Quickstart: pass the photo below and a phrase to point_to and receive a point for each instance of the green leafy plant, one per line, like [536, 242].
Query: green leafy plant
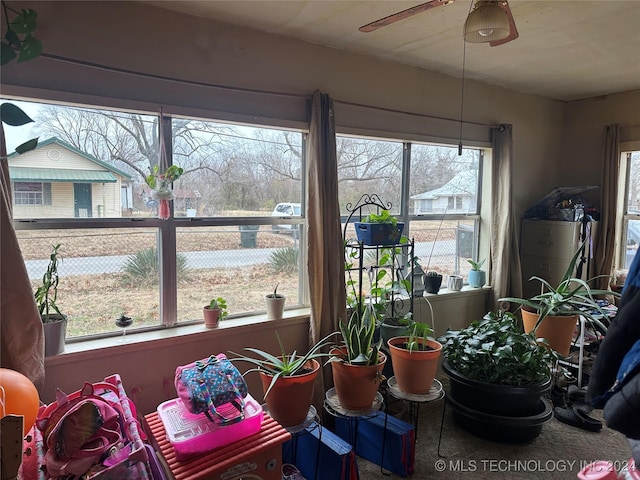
[47, 293]
[20, 45]
[419, 333]
[143, 266]
[284, 260]
[357, 336]
[219, 303]
[159, 180]
[496, 350]
[383, 217]
[476, 266]
[572, 296]
[286, 365]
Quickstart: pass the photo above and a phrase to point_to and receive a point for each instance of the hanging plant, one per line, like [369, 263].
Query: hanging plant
[160, 184]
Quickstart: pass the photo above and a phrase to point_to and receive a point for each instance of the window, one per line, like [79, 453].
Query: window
[441, 210]
[117, 256]
[27, 193]
[630, 234]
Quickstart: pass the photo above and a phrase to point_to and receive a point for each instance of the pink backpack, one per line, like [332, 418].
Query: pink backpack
[80, 430]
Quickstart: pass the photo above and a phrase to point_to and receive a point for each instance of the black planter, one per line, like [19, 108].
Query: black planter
[503, 400]
[499, 428]
[432, 283]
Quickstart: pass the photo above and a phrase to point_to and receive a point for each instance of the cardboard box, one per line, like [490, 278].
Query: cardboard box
[399, 441]
[317, 446]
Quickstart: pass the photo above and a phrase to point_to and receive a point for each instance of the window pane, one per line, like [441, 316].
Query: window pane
[94, 160]
[442, 181]
[444, 246]
[103, 274]
[633, 198]
[235, 170]
[239, 263]
[368, 166]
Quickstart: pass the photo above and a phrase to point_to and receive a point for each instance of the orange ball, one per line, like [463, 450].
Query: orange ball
[19, 397]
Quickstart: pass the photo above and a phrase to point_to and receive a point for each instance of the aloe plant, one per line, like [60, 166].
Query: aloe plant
[358, 334]
[286, 365]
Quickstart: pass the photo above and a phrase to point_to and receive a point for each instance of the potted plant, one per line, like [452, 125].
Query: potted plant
[287, 379]
[498, 374]
[46, 295]
[415, 359]
[214, 312]
[432, 281]
[477, 277]
[357, 362]
[275, 304]
[379, 229]
[553, 313]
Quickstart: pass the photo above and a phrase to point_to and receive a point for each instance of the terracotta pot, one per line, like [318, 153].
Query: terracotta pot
[414, 371]
[211, 317]
[356, 385]
[557, 331]
[289, 400]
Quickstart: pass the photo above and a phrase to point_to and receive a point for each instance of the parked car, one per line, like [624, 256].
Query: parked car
[284, 210]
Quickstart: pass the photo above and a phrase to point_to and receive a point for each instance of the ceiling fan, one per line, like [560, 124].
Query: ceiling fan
[490, 21]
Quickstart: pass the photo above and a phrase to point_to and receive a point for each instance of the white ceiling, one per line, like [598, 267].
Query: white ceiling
[567, 50]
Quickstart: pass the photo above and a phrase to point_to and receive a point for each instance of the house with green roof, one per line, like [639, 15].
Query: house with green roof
[57, 180]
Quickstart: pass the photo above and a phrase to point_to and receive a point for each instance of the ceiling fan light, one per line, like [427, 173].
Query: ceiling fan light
[486, 23]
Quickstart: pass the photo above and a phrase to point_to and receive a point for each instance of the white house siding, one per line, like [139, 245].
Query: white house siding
[105, 197]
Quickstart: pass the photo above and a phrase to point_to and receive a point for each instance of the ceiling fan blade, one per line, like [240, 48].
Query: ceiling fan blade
[409, 12]
[513, 31]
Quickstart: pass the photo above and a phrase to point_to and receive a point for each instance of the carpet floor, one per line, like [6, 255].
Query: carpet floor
[451, 452]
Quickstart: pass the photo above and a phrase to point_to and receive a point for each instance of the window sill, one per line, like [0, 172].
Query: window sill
[179, 334]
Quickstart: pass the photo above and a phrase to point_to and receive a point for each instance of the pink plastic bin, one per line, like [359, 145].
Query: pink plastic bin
[191, 434]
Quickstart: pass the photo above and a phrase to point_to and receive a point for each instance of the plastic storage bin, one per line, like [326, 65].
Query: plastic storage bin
[192, 434]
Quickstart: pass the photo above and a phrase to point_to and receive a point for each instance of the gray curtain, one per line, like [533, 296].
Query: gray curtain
[21, 332]
[505, 253]
[605, 241]
[325, 254]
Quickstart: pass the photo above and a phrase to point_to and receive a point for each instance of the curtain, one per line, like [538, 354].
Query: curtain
[605, 241]
[505, 254]
[21, 332]
[325, 261]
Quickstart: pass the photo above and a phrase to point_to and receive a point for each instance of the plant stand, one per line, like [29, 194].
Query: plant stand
[364, 262]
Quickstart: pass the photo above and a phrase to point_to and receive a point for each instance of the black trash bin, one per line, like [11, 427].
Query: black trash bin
[248, 235]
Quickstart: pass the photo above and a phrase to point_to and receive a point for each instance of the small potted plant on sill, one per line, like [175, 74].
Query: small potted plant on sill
[379, 229]
[53, 320]
[477, 277]
[214, 312]
[357, 362]
[415, 359]
[275, 304]
[287, 379]
[498, 374]
[432, 281]
[554, 313]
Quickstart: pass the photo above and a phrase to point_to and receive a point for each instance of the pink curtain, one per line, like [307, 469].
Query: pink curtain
[21, 332]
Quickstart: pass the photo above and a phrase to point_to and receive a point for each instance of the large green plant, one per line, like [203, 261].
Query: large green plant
[47, 293]
[496, 350]
[357, 335]
[20, 45]
[572, 296]
[286, 365]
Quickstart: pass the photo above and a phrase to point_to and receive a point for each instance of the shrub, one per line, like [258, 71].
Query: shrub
[143, 266]
[284, 260]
